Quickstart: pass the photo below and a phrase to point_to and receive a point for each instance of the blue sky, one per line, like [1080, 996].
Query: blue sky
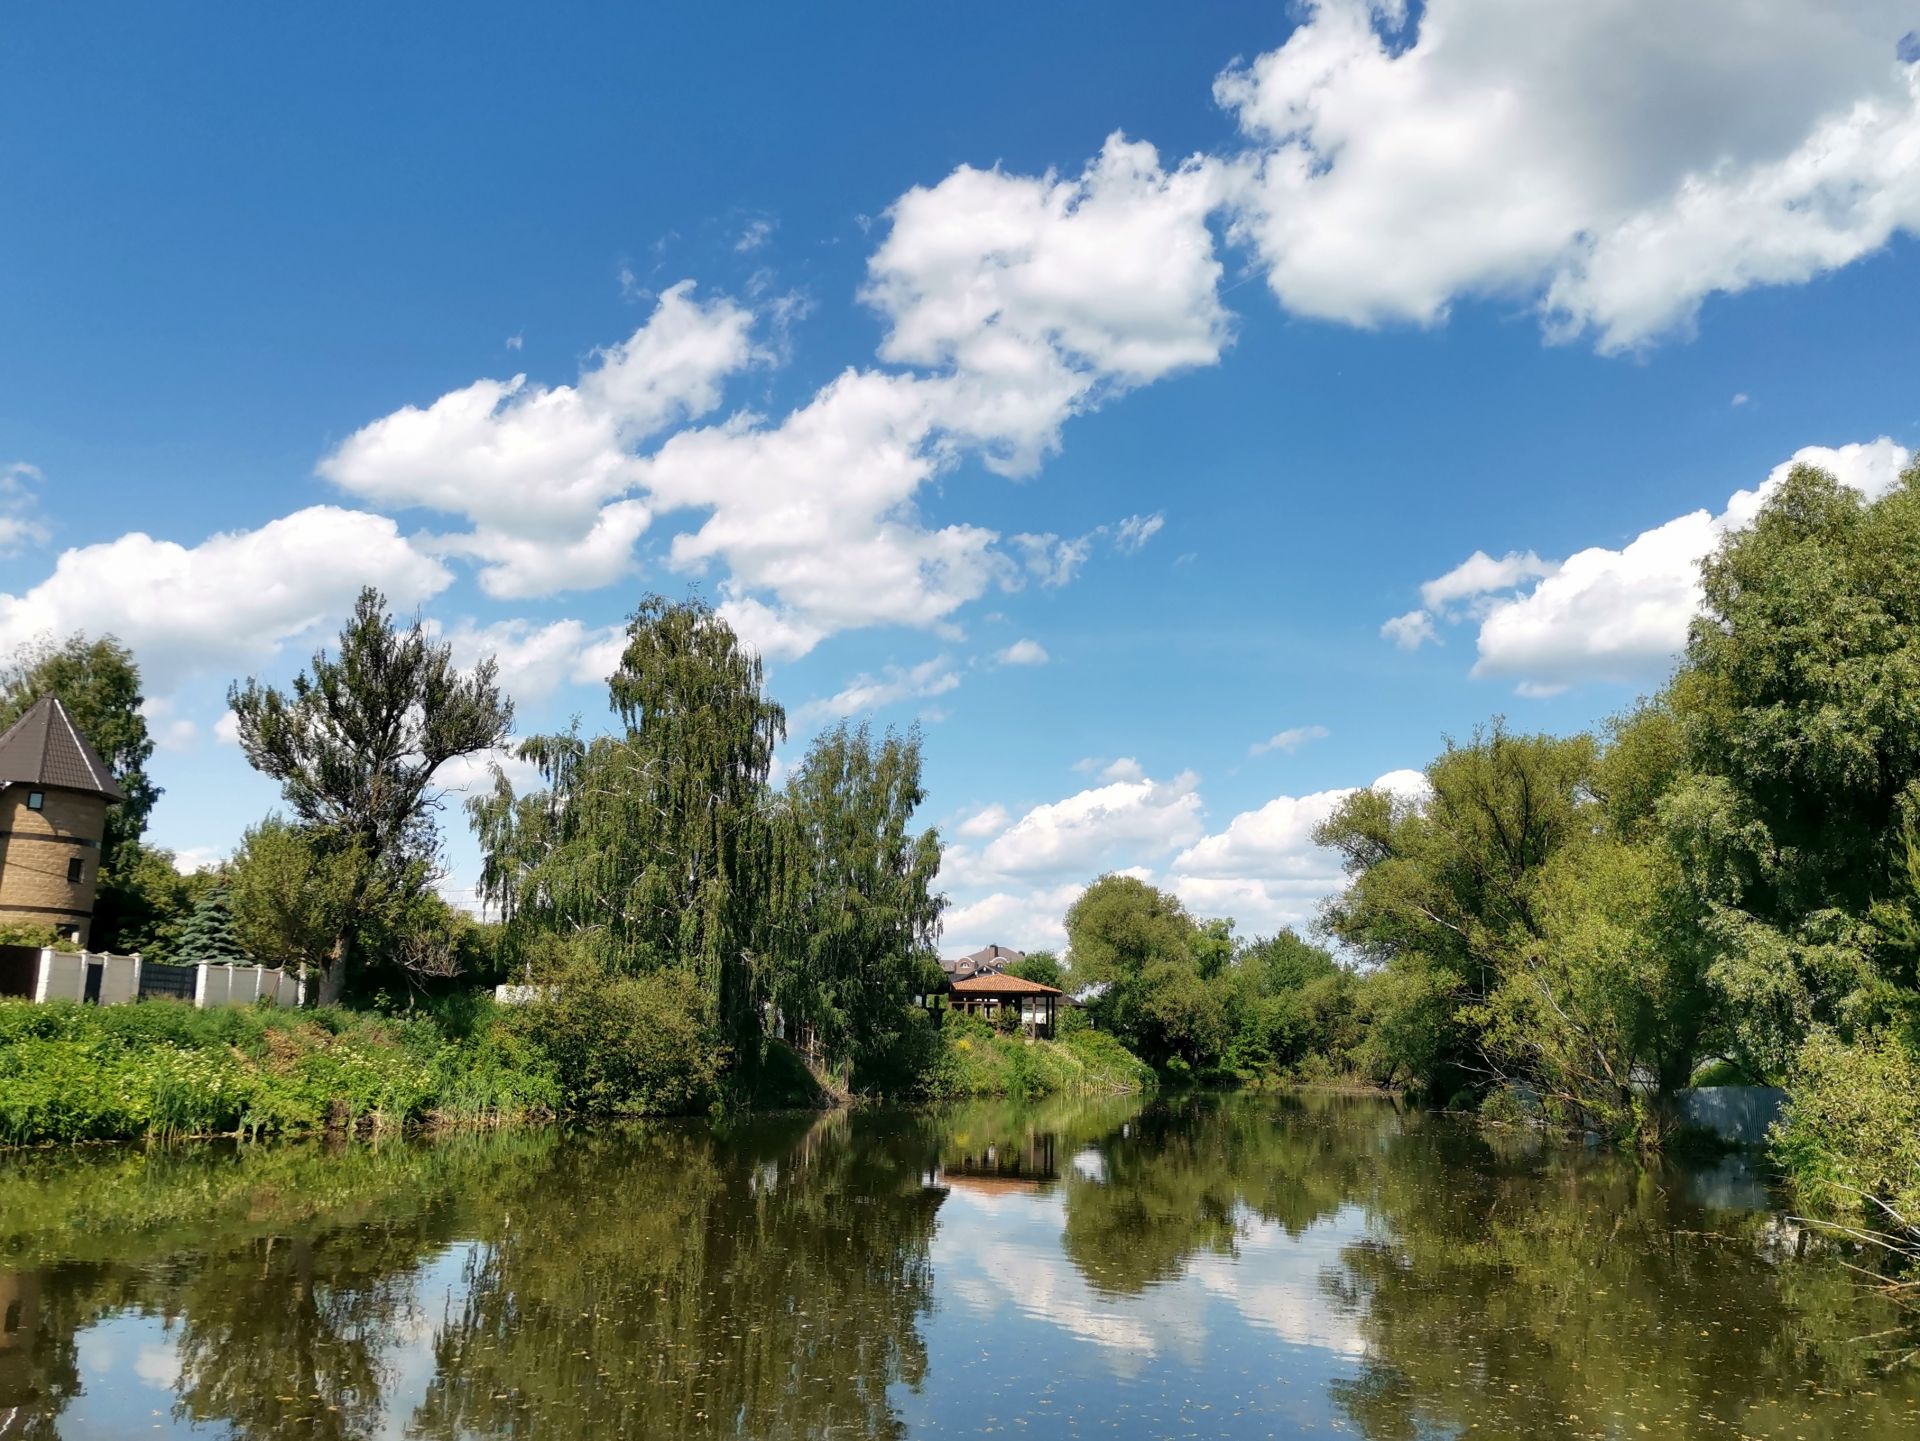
[1091, 387]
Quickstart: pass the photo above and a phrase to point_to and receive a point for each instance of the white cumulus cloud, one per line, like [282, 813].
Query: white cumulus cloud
[228, 603]
[1622, 614]
[1617, 163]
[1023, 652]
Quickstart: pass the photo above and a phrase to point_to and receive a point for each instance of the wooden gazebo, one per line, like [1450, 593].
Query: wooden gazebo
[985, 996]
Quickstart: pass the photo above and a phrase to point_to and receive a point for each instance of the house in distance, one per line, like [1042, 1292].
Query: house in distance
[978, 984]
[54, 794]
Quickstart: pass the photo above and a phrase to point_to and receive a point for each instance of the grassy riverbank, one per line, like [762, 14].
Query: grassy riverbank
[159, 1069]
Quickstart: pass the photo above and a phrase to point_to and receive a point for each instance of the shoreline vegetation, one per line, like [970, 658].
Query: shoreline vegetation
[1719, 886]
[159, 1070]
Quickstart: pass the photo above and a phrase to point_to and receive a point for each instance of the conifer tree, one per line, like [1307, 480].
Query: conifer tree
[210, 935]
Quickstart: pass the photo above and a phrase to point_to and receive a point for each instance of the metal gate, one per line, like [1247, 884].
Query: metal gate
[167, 982]
[90, 988]
[19, 970]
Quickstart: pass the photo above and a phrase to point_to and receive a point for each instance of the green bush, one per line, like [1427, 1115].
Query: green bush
[1850, 1138]
[625, 1045]
[159, 1068]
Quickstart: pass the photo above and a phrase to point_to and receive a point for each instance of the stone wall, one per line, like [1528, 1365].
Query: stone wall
[35, 849]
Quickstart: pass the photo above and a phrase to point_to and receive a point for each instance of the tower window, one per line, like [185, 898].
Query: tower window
[76, 870]
[36, 800]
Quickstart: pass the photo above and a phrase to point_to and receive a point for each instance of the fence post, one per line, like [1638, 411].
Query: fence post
[45, 974]
[199, 985]
[137, 963]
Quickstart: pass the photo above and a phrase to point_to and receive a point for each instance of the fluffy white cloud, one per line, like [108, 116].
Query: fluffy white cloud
[1618, 162]
[534, 659]
[986, 821]
[1120, 823]
[818, 511]
[1031, 919]
[1410, 631]
[1012, 880]
[1042, 292]
[1023, 652]
[228, 603]
[170, 731]
[1264, 869]
[893, 685]
[535, 468]
[517, 566]
[1288, 741]
[768, 629]
[1480, 573]
[1623, 614]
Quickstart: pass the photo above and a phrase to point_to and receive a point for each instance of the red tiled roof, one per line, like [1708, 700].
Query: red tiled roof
[1003, 986]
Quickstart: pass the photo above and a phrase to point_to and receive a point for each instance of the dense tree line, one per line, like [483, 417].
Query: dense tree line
[1725, 879]
[1724, 882]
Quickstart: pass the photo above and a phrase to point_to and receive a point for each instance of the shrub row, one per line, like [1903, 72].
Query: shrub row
[159, 1068]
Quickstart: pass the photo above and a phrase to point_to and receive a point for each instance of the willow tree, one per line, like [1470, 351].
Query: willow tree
[652, 847]
[856, 913]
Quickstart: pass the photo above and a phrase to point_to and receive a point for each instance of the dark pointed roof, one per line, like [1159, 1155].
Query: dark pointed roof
[45, 748]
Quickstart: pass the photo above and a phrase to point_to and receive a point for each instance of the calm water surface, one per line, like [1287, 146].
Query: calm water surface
[1242, 1267]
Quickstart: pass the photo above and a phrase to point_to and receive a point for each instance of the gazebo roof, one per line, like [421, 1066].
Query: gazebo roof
[1002, 986]
[45, 748]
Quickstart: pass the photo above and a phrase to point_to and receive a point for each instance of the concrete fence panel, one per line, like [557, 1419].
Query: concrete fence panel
[216, 985]
[63, 976]
[119, 979]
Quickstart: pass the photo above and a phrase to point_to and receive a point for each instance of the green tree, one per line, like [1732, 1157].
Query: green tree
[144, 901]
[293, 896]
[99, 683]
[653, 848]
[857, 912]
[1445, 892]
[1149, 957]
[355, 746]
[1802, 715]
[209, 934]
[1041, 967]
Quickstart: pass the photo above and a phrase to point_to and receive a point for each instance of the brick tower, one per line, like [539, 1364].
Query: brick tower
[54, 794]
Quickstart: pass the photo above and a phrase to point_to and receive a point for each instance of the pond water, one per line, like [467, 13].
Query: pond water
[1239, 1267]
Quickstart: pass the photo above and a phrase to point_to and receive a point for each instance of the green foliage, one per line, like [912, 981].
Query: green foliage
[625, 1045]
[653, 849]
[855, 913]
[20, 933]
[956, 1056]
[99, 684]
[143, 902]
[209, 933]
[1151, 960]
[158, 1068]
[1041, 967]
[1851, 1133]
[355, 746]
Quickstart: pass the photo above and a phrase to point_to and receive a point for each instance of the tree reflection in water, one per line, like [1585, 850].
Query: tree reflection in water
[774, 1278]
